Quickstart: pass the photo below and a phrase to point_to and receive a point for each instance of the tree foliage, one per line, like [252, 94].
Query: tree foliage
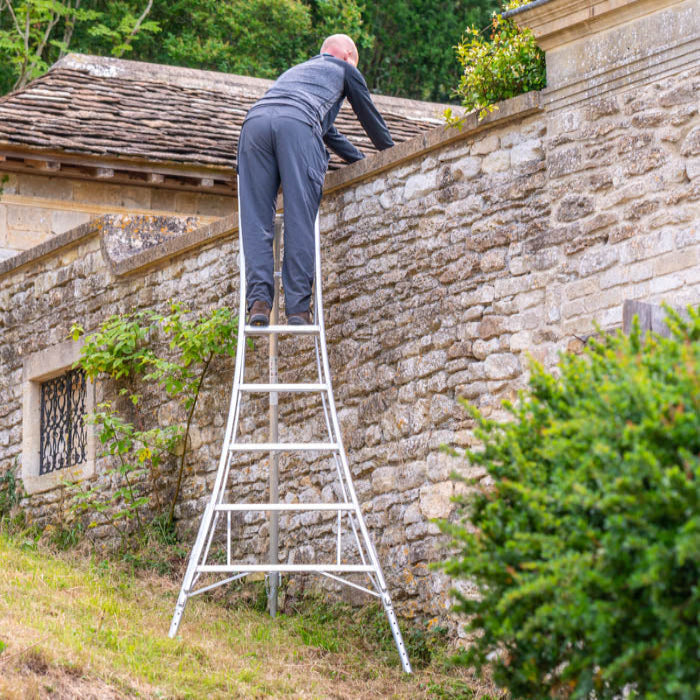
[412, 54]
[35, 33]
[586, 548]
[406, 47]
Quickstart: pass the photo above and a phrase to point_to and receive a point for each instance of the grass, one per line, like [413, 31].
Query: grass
[76, 627]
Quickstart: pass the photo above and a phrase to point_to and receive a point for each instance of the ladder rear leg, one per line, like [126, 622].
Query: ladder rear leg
[188, 580]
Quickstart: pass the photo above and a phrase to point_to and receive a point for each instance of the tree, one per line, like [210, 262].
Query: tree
[413, 54]
[35, 33]
[585, 546]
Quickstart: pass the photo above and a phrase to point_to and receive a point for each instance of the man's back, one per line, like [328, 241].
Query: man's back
[314, 91]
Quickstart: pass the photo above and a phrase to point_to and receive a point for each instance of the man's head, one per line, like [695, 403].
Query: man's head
[341, 46]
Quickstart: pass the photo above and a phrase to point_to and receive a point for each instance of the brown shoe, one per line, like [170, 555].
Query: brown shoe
[301, 318]
[259, 314]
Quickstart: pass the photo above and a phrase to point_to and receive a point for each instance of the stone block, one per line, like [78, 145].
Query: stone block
[502, 366]
[485, 145]
[574, 207]
[526, 152]
[493, 260]
[420, 185]
[661, 285]
[692, 168]
[27, 218]
[3, 224]
[597, 260]
[691, 143]
[522, 340]
[466, 168]
[496, 162]
[435, 500]
[62, 221]
[45, 187]
[673, 262]
[384, 479]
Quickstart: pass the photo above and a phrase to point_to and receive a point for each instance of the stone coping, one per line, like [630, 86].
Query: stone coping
[508, 110]
[50, 246]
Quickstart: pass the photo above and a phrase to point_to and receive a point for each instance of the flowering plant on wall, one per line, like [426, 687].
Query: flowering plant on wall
[498, 62]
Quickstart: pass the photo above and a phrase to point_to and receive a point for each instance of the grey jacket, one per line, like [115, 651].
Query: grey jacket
[314, 91]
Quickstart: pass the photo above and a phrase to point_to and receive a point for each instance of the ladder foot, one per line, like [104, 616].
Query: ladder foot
[177, 615]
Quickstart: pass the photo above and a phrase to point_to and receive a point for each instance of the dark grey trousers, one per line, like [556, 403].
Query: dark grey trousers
[274, 148]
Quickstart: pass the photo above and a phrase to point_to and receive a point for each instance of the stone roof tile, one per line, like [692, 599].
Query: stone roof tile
[132, 110]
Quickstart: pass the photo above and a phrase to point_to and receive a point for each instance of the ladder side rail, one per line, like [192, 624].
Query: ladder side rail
[333, 414]
[337, 438]
[208, 515]
[386, 598]
[324, 377]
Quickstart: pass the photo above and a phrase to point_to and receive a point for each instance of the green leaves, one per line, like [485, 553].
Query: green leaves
[171, 352]
[586, 548]
[506, 64]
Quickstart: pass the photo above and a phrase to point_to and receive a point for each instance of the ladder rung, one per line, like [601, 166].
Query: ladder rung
[281, 568]
[283, 387]
[291, 330]
[285, 447]
[283, 506]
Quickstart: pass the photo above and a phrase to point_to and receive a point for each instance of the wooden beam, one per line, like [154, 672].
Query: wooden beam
[50, 165]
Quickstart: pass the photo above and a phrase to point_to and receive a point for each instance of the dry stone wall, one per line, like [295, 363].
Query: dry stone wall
[442, 273]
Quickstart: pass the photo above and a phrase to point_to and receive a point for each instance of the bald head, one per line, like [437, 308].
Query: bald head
[341, 46]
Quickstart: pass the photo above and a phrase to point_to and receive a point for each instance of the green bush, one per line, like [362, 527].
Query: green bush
[505, 63]
[586, 546]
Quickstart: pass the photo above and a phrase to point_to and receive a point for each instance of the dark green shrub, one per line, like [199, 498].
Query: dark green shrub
[586, 548]
[501, 63]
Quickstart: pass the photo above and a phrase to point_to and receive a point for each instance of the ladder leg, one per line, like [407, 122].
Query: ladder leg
[396, 632]
[188, 580]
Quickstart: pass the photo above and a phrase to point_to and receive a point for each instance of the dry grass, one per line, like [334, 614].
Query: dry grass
[80, 628]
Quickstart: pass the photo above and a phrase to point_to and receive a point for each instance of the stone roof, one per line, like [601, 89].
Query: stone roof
[127, 110]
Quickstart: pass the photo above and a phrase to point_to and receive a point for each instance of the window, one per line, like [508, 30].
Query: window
[57, 444]
[63, 433]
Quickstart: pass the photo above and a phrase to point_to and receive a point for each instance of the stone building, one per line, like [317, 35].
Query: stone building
[446, 259]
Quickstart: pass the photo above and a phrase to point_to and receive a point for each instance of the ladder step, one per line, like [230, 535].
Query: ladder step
[285, 447]
[282, 387]
[279, 330]
[282, 568]
[245, 507]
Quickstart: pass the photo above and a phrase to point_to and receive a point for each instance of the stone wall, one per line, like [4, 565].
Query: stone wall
[33, 208]
[446, 260]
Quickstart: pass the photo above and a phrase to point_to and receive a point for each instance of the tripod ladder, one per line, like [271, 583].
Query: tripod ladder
[347, 508]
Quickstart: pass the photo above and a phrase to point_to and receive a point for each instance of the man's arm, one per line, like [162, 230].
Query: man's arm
[358, 95]
[340, 145]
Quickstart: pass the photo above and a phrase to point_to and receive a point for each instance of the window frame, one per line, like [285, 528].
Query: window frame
[37, 368]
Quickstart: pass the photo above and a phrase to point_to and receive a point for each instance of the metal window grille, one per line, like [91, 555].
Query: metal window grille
[63, 429]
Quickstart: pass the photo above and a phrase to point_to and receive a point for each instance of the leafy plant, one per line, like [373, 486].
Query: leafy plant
[10, 492]
[586, 548]
[124, 349]
[506, 63]
[139, 453]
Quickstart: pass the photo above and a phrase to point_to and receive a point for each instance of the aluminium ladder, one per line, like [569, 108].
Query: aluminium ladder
[347, 510]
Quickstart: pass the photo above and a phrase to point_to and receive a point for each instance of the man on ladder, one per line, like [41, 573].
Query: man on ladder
[282, 139]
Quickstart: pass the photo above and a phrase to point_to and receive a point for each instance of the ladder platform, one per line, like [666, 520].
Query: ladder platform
[246, 507]
[282, 330]
[285, 447]
[262, 388]
[284, 568]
